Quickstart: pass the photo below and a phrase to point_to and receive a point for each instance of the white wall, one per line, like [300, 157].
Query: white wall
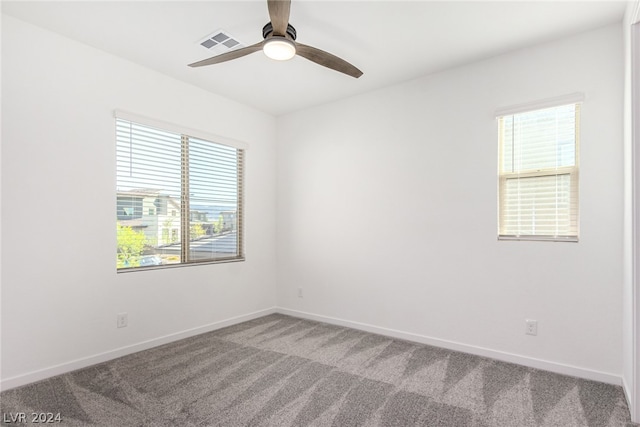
[387, 212]
[60, 290]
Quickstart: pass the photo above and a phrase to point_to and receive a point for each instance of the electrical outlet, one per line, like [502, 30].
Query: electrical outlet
[122, 320]
[531, 327]
[299, 292]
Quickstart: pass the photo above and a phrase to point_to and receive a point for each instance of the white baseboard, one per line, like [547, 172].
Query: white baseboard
[558, 368]
[73, 365]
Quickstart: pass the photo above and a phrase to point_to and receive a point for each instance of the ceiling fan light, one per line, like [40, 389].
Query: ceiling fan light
[279, 48]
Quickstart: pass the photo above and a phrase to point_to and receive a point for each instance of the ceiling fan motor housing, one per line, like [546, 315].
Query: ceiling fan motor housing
[267, 30]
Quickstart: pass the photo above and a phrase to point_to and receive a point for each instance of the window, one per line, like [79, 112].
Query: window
[538, 176]
[179, 197]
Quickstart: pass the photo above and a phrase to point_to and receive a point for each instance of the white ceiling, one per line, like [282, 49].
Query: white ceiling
[390, 41]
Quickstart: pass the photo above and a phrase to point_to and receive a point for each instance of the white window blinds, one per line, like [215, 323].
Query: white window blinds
[538, 178]
[179, 198]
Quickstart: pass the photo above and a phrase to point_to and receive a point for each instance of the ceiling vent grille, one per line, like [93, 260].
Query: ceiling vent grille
[220, 42]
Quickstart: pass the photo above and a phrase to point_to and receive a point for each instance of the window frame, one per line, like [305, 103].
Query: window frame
[183, 213]
[572, 171]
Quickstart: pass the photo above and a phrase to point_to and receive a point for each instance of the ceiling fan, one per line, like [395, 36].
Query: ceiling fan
[279, 43]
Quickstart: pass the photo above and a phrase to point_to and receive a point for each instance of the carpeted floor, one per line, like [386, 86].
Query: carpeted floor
[283, 371]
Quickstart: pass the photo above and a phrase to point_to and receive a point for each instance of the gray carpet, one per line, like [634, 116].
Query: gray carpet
[283, 371]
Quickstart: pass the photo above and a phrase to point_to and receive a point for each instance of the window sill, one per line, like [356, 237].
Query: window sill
[185, 264]
[573, 239]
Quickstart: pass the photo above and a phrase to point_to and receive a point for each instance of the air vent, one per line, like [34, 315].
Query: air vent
[220, 42]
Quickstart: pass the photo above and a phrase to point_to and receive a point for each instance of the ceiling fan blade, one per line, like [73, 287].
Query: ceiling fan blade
[279, 15]
[327, 60]
[234, 54]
